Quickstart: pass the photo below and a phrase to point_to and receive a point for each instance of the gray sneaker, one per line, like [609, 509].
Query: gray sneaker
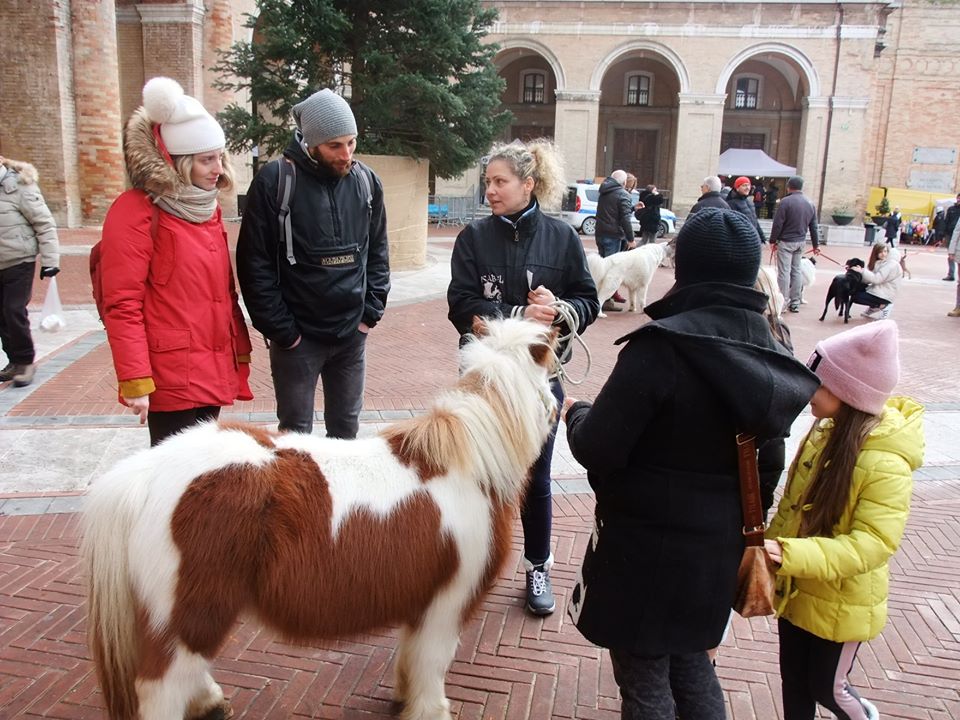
[540, 599]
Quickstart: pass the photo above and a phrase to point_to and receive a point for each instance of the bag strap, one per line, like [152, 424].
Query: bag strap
[286, 186]
[753, 525]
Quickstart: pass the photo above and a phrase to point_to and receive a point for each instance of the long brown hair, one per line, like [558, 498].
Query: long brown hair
[829, 490]
[875, 254]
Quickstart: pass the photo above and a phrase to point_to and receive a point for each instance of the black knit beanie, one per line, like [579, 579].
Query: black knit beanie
[716, 245]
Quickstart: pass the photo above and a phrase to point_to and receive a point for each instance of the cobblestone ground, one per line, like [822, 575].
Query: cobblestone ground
[509, 664]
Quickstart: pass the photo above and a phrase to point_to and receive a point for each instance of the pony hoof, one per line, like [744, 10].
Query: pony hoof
[220, 711]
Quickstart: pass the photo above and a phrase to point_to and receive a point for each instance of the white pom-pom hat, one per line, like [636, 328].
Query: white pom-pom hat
[185, 126]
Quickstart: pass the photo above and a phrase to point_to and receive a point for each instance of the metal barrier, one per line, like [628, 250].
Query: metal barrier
[451, 209]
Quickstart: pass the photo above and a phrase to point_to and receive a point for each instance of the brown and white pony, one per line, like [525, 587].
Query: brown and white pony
[318, 538]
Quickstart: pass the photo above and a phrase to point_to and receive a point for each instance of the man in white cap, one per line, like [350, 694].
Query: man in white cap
[313, 266]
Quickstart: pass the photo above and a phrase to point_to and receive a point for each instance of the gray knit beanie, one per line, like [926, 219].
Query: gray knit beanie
[716, 245]
[324, 116]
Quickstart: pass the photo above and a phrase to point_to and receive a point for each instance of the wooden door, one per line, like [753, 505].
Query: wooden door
[636, 152]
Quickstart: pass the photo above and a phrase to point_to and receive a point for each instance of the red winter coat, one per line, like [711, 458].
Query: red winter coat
[171, 312]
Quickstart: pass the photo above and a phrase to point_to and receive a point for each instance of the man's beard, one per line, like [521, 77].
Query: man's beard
[328, 167]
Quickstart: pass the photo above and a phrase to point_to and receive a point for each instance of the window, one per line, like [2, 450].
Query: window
[747, 96]
[638, 90]
[534, 84]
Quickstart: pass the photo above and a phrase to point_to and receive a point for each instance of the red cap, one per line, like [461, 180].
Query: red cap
[741, 181]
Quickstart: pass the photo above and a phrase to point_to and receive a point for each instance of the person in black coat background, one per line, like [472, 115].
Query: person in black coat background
[741, 200]
[711, 197]
[649, 215]
[659, 574]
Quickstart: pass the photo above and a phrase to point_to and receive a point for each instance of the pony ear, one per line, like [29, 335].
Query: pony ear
[544, 353]
[479, 328]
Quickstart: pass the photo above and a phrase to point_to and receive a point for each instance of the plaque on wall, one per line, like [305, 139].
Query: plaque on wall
[934, 156]
[931, 180]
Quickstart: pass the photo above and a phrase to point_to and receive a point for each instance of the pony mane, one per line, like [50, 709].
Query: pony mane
[492, 424]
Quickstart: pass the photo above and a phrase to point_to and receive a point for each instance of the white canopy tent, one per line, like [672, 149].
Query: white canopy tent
[752, 163]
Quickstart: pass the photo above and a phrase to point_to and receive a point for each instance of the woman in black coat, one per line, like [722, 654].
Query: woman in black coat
[659, 574]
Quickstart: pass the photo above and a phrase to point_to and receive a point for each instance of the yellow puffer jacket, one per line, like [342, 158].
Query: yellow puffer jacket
[836, 588]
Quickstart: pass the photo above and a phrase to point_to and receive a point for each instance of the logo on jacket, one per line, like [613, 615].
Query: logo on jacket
[338, 259]
[492, 287]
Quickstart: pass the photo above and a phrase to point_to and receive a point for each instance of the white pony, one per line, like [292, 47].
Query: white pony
[318, 538]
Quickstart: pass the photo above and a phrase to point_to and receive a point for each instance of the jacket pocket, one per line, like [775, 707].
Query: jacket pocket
[169, 357]
[164, 257]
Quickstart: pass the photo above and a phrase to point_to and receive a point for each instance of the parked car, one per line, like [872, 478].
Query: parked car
[579, 209]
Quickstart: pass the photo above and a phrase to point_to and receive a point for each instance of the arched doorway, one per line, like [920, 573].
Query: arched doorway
[637, 131]
[530, 93]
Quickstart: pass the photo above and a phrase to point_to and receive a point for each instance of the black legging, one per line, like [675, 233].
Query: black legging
[667, 686]
[814, 670]
[164, 424]
[536, 514]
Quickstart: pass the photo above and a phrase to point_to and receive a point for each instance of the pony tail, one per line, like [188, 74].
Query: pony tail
[549, 173]
[111, 605]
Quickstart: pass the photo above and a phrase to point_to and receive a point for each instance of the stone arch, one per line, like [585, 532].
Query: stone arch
[545, 52]
[632, 46]
[803, 63]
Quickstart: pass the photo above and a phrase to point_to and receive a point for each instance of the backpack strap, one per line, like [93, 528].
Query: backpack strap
[363, 172]
[286, 187]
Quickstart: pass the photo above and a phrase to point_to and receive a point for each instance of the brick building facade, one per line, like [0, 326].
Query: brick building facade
[853, 94]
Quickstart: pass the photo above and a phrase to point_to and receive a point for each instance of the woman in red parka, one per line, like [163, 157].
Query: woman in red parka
[179, 342]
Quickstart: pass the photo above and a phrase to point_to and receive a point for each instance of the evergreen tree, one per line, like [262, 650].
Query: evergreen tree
[420, 81]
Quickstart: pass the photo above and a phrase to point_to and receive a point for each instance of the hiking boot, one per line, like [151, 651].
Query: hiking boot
[539, 591]
[8, 372]
[955, 312]
[24, 375]
[948, 278]
[610, 306]
[794, 308]
[870, 709]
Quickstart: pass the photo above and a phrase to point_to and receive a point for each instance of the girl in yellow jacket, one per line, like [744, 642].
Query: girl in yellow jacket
[841, 518]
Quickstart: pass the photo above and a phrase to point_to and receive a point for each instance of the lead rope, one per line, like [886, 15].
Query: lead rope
[569, 317]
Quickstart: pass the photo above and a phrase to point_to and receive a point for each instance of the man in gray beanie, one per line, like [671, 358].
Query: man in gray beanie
[313, 266]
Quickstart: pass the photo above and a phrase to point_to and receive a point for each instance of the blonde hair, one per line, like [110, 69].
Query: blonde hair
[540, 160]
[183, 164]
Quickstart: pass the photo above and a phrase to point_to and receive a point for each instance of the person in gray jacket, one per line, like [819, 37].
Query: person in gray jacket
[26, 230]
[795, 216]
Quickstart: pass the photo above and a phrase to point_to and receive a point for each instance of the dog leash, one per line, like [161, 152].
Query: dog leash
[824, 255]
[569, 316]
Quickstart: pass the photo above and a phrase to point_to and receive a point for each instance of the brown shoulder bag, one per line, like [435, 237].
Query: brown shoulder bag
[755, 577]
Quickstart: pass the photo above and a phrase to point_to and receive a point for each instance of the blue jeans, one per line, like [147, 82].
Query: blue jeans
[607, 245]
[341, 368]
[536, 515]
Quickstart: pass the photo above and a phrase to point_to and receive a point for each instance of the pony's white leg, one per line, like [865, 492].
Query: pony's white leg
[401, 685]
[172, 694]
[427, 655]
[209, 699]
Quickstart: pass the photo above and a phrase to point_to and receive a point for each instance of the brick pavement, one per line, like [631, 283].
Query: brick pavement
[509, 665]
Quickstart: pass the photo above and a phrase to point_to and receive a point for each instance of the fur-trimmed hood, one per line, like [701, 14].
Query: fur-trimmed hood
[27, 172]
[147, 168]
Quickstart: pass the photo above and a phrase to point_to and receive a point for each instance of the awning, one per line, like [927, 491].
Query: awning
[752, 163]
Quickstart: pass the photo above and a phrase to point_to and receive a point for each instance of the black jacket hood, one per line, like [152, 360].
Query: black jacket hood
[764, 386]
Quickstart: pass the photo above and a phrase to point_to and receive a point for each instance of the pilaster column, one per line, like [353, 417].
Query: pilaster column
[97, 101]
[575, 131]
[700, 125]
[173, 43]
[813, 139]
[844, 181]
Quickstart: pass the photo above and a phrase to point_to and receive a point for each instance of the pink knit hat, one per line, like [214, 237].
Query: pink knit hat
[860, 366]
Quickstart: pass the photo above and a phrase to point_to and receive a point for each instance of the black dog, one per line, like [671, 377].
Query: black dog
[843, 288]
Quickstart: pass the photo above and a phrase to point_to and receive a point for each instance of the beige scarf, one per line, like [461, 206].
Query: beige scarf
[191, 203]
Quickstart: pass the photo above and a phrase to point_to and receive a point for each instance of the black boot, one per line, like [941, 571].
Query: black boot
[539, 591]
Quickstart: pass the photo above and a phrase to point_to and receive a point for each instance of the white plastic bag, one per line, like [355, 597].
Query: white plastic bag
[51, 316]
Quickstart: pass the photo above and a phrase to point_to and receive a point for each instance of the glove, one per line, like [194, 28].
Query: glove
[46, 272]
